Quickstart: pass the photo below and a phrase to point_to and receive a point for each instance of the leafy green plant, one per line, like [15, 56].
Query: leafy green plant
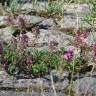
[28, 61]
[11, 68]
[9, 57]
[74, 64]
[89, 18]
[38, 68]
[17, 59]
[38, 61]
[14, 6]
[56, 7]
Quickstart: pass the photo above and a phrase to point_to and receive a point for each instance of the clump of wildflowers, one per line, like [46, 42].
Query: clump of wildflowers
[68, 54]
[80, 39]
[82, 35]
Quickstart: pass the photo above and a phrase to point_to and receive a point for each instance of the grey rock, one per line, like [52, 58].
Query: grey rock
[91, 38]
[85, 86]
[31, 19]
[24, 1]
[2, 21]
[57, 77]
[72, 22]
[40, 6]
[23, 83]
[50, 35]
[12, 93]
[79, 8]
[3, 76]
[47, 23]
[6, 34]
[68, 22]
[31, 12]
[7, 83]
[74, 16]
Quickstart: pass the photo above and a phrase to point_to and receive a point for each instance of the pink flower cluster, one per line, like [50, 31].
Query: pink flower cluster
[82, 35]
[68, 54]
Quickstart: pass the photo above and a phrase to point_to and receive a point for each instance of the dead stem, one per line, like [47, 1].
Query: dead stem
[53, 86]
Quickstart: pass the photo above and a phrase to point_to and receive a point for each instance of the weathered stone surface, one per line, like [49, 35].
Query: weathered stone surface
[2, 21]
[85, 86]
[82, 85]
[90, 39]
[50, 35]
[74, 16]
[36, 83]
[29, 12]
[12, 93]
[3, 76]
[6, 34]
[40, 6]
[79, 8]
[47, 23]
[70, 21]
[24, 1]
[31, 19]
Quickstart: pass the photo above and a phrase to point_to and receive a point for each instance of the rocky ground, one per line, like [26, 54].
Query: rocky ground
[10, 86]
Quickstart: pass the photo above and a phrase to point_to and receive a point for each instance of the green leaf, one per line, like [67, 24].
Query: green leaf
[11, 68]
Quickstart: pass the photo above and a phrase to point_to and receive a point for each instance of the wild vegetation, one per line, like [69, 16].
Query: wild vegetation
[17, 58]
